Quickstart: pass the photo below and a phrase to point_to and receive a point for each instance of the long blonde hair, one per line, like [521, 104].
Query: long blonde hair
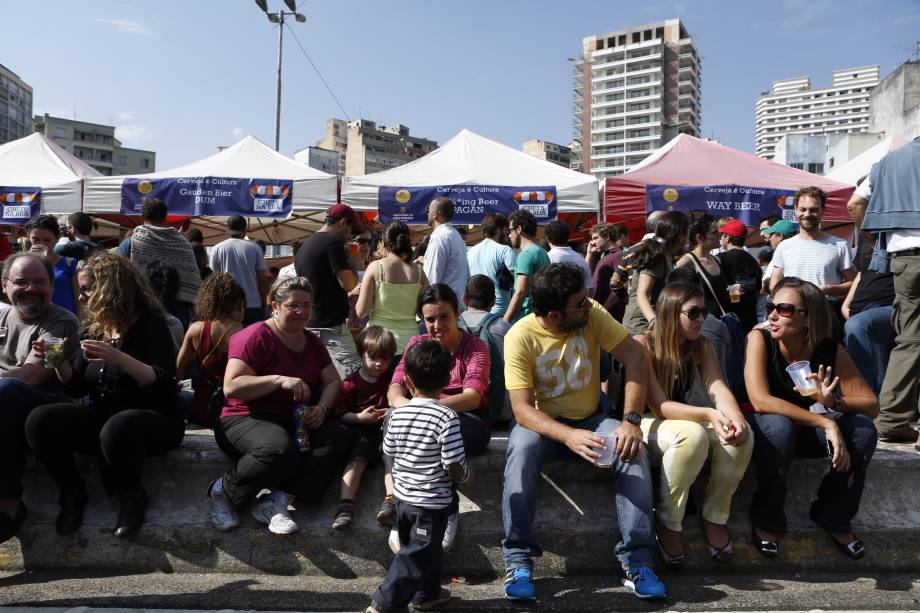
[664, 339]
[121, 295]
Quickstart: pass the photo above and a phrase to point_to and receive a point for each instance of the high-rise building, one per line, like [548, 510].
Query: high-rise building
[96, 145]
[15, 106]
[792, 106]
[551, 152]
[364, 147]
[635, 89]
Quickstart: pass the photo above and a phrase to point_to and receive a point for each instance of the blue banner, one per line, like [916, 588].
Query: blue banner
[471, 202]
[749, 204]
[20, 204]
[220, 196]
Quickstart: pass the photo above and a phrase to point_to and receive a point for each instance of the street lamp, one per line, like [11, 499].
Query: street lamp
[279, 19]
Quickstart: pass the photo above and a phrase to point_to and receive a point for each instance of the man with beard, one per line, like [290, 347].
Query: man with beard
[531, 258]
[25, 382]
[445, 259]
[551, 372]
[814, 255]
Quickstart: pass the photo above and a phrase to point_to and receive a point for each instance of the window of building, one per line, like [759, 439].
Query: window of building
[622, 40]
[647, 35]
[816, 168]
[122, 160]
[60, 132]
[637, 37]
[659, 33]
[145, 163]
[611, 42]
[600, 43]
[797, 165]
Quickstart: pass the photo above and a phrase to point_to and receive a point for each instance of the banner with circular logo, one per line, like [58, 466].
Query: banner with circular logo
[218, 196]
[19, 204]
[748, 204]
[471, 202]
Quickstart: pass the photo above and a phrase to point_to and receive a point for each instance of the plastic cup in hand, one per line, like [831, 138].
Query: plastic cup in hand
[734, 292]
[799, 371]
[605, 460]
[54, 351]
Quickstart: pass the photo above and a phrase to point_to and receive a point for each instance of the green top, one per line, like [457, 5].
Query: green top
[529, 262]
[394, 308]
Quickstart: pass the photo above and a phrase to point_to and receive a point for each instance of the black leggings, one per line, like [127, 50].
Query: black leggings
[56, 432]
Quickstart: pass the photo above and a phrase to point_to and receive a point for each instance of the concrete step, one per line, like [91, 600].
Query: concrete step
[576, 524]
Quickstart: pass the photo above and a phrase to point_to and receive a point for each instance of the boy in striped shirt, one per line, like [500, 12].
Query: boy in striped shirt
[422, 443]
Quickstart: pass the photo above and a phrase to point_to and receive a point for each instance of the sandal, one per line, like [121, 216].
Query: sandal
[719, 554]
[768, 549]
[853, 550]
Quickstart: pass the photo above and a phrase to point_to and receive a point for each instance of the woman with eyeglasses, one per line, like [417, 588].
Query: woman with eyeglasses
[694, 417]
[125, 375]
[832, 418]
[279, 377]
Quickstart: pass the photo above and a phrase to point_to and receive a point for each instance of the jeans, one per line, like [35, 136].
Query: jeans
[869, 337]
[340, 344]
[17, 399]
[528, 452]
[775, 444]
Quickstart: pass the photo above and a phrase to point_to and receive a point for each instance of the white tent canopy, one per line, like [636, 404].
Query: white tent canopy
[470, 159]
[854, 170]
[37, 161]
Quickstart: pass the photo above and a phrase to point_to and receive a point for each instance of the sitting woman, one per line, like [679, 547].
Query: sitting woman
[220, 307]
[694, 418]
[125, 374]
[274, 367]
[835, 419]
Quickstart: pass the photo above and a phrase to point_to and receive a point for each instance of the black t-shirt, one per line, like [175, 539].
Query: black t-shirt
[874, 289]
[739, 266]
[780, 382]
[318, 259]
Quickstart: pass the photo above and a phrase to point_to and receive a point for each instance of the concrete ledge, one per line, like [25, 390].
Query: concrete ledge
[577, 531]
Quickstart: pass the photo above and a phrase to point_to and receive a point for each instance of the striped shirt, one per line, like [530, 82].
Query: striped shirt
[820, 261]
[423, 437]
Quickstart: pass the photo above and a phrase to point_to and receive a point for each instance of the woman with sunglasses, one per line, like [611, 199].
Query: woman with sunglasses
[694, 417]
[835, 419]
[274, 367]
[359, 256]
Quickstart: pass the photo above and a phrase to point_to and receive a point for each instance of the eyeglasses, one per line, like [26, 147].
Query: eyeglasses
[783, 309]
[581, 305]
[23, 283]
[696, 312]
[297, 306]
[514, 229]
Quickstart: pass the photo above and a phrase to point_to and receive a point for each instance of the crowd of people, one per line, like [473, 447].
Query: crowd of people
[680, 352]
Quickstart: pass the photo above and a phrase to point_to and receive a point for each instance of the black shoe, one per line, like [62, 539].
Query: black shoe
[768, 549]
[344, 515]
[70, 517]
[387, 513]
[131, 516]
[9, 526]
[853, 550]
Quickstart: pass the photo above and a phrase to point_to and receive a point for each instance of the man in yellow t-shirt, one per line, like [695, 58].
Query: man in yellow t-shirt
[552, 362]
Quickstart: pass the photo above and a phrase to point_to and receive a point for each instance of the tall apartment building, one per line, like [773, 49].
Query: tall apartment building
[15, 106]
[792, 106]
[96, 145]
[551, 152]
[364, 147]
[336, 139]
[634, 90]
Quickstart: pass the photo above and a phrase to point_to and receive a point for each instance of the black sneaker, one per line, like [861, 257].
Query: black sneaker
[387, 513]
[344, 515]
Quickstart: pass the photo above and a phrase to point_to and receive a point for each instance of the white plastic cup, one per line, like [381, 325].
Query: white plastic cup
[734, 292]
[54, 351]
[799, 371]
[605, 460]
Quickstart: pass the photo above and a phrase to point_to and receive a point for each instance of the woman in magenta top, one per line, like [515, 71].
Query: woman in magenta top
[274, 366]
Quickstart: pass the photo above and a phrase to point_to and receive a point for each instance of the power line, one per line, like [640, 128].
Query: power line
[318, 73]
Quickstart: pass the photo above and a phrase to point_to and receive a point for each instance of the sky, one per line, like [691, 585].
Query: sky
[182, 77]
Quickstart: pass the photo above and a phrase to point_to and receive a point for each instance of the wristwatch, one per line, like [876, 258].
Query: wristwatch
[633, 418]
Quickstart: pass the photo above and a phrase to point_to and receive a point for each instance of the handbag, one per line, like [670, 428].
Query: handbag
[217, 399]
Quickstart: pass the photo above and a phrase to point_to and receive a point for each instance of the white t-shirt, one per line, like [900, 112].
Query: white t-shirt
[445, 260]
[244, 260]
[820, 261]
[567, 255]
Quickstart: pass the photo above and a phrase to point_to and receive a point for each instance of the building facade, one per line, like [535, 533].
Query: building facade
[793, 107]
[372, 148]
[336, 139]
[551, 152]
[894, 104]
[96, 145]
[822, 153]
[634, 90]
[15, 106]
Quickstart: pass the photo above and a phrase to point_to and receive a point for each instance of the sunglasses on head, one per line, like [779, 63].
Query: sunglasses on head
[696, 312]
[783, 309]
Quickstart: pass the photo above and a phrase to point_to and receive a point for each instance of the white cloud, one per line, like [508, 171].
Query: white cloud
[136, 133]
[126, 26]
[124, 116]
[237, 132]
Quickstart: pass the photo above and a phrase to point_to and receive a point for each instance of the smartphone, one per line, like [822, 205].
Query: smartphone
[830, 449]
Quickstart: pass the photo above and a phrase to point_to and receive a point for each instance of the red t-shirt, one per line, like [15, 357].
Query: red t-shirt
[358, 394]
[261, 349]
[470, 368]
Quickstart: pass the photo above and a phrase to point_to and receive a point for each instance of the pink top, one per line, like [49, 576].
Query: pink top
[263, 352]
[470, 368]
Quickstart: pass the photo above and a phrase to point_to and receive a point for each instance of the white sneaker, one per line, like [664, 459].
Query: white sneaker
[393, 541]
[273, 512]
[223, 515]
[450, 531]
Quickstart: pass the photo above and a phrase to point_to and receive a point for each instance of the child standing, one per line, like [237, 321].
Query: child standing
[422, 443]
[362, 404]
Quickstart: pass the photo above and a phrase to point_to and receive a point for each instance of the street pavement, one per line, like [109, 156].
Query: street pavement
[49, 592]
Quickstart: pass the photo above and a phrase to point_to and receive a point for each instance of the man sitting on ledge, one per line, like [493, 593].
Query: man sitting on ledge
[552, 363]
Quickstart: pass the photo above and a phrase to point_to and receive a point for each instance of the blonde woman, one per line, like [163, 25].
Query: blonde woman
[694, 417]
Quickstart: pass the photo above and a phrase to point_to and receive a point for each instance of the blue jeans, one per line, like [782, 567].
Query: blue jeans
[528, 452]
[17, 399]
[869, 338]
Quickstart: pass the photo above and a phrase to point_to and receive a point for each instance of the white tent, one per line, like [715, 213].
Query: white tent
[470, 159]
[37, 161]
[854, 170]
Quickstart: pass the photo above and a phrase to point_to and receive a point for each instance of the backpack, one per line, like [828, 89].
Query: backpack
[495, 400]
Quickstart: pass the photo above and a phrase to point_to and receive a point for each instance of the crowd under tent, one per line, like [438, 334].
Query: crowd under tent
[857, 168]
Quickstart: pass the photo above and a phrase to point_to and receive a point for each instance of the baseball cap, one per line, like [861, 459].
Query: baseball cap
[734, 228]
[786, 228]
[343, 211]
[236, 224]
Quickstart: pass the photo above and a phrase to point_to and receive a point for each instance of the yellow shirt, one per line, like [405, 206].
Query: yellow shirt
[562, 369]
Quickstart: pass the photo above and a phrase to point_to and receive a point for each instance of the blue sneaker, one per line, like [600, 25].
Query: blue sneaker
[644, 583]
[519, 584]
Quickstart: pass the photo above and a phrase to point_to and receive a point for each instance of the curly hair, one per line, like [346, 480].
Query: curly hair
[219, 297]
[553, 286]
[121, 295]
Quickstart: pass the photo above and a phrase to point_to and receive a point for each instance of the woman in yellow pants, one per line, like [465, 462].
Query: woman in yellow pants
[694, 417]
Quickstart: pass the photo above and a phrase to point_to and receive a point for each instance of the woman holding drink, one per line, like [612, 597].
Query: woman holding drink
[829, 411]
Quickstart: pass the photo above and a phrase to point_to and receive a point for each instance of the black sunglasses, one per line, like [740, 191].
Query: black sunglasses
[783, 309]
[696, 312]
